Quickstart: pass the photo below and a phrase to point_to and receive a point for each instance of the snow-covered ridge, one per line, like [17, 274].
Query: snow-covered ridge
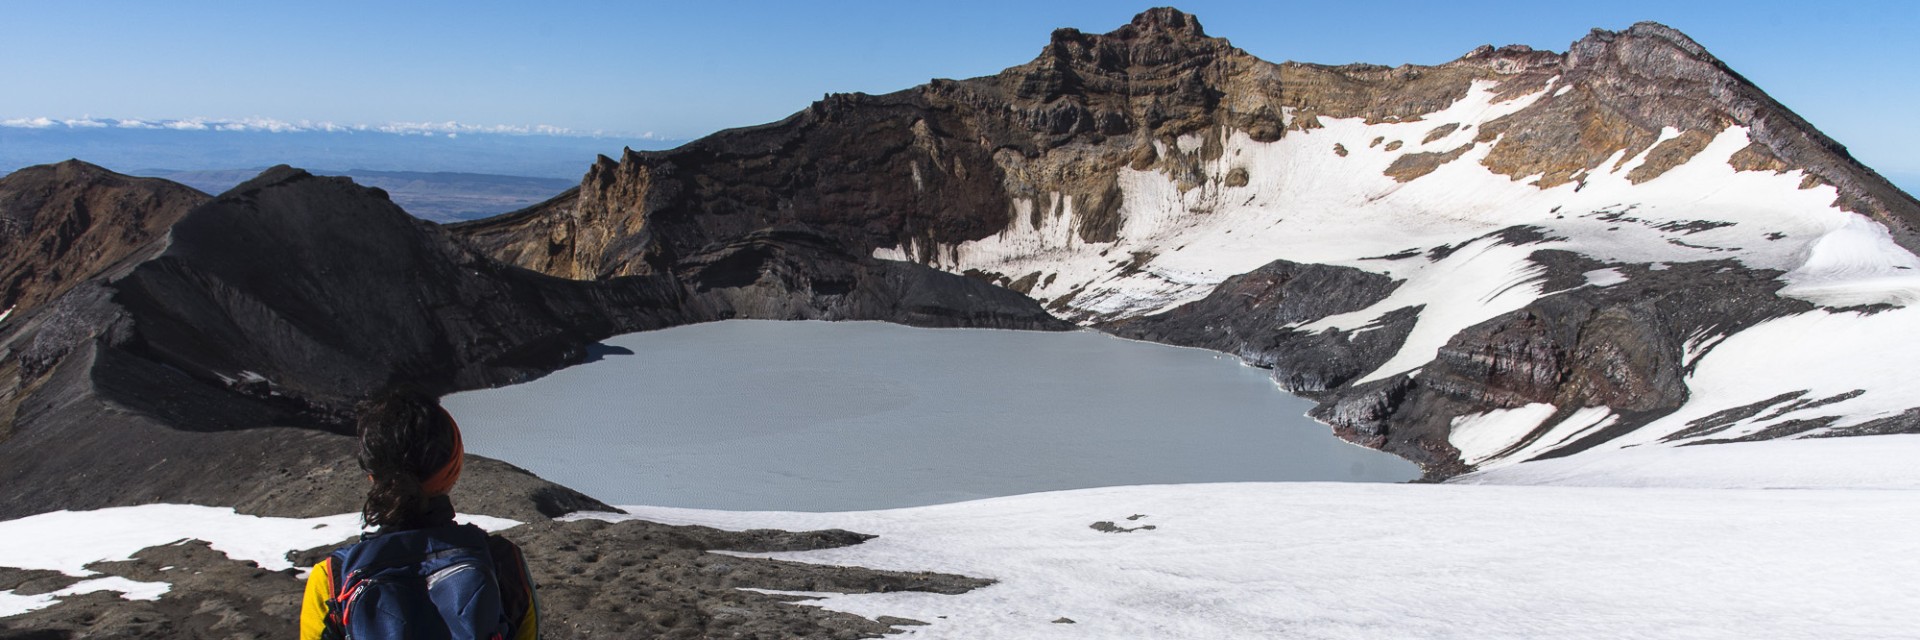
[1323, 195]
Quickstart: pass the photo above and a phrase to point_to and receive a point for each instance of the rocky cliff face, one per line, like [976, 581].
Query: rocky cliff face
[1418, 247]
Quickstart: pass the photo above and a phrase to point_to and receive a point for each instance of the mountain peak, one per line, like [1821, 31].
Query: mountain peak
[1160, 27]
[1163, 20]
[1643, 42]
[275, 175]
[70, 170]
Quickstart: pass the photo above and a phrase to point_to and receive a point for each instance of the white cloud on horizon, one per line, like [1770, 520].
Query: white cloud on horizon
[449, 129]
[28, 123]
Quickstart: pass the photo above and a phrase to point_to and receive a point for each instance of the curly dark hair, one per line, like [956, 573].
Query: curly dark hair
[404, 437]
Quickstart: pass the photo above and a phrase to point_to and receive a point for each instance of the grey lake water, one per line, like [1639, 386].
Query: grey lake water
[835, 416]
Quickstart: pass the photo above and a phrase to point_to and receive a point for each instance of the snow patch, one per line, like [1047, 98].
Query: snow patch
[1856, 263]
[12, 604]
[894, 253]
[1480, 436]
[1189, 143]
[1604, 277]
[1583, 422]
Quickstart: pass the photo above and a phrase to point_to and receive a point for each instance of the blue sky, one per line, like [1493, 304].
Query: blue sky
[685, 69]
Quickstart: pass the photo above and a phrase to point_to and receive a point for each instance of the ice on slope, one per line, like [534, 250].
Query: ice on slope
[1387, 561]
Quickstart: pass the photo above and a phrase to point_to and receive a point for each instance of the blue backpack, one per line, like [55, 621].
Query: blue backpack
[425, 584]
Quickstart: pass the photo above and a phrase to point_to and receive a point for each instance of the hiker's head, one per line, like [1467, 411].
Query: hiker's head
[411, 450]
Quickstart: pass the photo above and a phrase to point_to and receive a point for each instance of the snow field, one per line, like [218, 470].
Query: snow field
[68, 541]
[1312, 560]
[1266, 560]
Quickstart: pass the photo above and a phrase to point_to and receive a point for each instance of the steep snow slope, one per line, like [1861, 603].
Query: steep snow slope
[1326, 195]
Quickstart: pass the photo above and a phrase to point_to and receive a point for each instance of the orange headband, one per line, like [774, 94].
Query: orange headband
[441, 482]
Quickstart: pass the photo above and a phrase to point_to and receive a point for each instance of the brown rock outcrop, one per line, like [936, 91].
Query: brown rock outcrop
[67, 222]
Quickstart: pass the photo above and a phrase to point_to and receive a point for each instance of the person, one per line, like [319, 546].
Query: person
[412, 576]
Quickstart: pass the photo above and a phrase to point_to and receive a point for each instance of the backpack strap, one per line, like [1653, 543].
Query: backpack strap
[518, 602]
[334, 626]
